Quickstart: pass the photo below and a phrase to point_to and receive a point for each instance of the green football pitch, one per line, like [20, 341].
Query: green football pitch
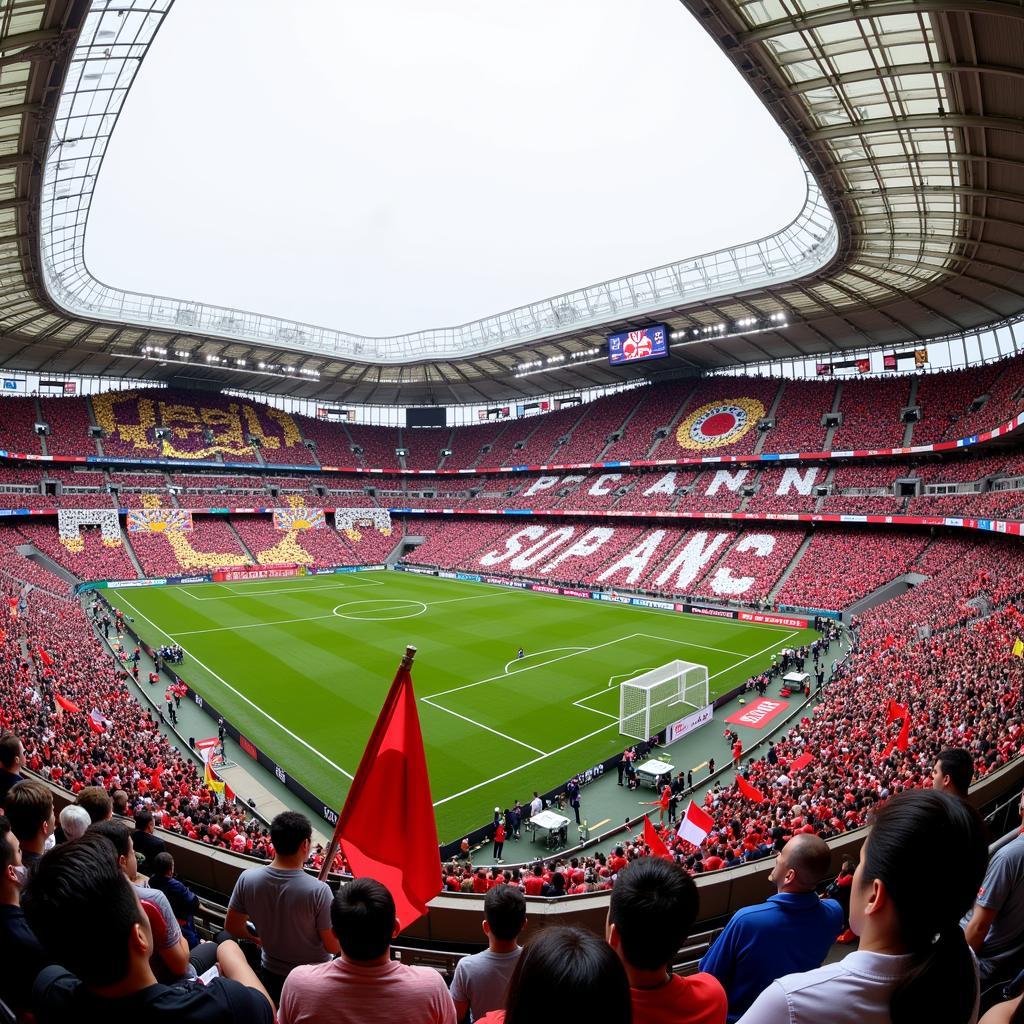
[301, 667]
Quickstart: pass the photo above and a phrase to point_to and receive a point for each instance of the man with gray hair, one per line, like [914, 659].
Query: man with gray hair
[74, 820]
[791, 932]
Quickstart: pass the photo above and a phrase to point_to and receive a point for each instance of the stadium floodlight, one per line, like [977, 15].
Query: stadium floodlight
[653, 700]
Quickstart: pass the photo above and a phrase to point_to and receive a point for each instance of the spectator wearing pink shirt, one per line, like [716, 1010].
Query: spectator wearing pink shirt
[364, 985]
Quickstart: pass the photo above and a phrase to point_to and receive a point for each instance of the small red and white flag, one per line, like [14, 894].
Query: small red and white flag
[99, 722]
[696, 825]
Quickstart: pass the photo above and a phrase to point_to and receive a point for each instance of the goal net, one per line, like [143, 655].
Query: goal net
[651, 701]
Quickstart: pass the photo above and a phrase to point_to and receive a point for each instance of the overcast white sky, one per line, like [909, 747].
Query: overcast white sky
[385, 166]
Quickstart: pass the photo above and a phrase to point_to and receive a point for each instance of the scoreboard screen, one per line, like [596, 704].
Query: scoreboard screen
[635, 346]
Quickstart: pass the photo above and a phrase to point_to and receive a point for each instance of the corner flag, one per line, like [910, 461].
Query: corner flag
[386, 829]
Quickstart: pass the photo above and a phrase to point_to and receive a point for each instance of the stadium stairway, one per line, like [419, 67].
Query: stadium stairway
[831, 432]
[895, 588]
[781, 582]
[33, 554]
[130, 551]
[908, 432]
[770, 414]
[241, 543]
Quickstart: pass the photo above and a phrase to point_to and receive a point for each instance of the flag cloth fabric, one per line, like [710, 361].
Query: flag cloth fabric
[98, 721]
[1018, 648]
[154, 776]
[903, 740]
[211, 780]
[654, 842]
[45, 658]
[67, 705]
[387, 829]
[749, 791]
[229, 793]
[894, 712]
[802, 761]
[696, 825]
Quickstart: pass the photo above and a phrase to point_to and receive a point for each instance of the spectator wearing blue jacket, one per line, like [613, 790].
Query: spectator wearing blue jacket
[790, 932]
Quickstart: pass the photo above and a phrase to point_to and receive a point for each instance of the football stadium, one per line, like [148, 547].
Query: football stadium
[395, 620]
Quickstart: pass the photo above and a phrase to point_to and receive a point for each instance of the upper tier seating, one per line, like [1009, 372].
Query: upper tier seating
[798, 426]
[18, 418]
[69, 423]
[871, 413]
[203, 427]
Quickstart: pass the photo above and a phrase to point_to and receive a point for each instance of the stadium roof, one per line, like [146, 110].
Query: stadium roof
[905, 114]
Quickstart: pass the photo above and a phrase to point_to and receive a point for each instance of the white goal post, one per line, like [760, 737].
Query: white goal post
[651, 701]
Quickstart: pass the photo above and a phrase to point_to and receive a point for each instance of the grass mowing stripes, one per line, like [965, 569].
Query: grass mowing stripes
[302, 666]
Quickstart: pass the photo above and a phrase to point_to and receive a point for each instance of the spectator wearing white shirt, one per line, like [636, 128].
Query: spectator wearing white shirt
[536, 805]
[920, 867]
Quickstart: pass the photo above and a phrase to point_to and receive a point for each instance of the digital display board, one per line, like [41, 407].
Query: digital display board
[635, 346]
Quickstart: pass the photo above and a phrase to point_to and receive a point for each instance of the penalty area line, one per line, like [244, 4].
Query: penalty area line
[589, 735]
[238, 693]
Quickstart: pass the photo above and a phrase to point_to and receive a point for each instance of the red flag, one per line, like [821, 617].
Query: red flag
[894, 712]
[99, 722]
[154, 776]
[229, 793]
[399, 850]
[802, 761]
[67, 705]
[903, 740]
[747, 790]
[45, 658]
[654, 841]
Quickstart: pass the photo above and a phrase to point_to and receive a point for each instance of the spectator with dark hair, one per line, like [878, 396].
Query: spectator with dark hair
[995, 927]
[364, 985]
[290, 909]
[21, 956]
[29, 809]
[652, 909]
[96, 800]
[172, 961]
[12, 760]
[481, 980]
[792, 931]
[146, 843]
[953, 771]
[184, 902]
[566, 974]
[920, 866]
[89, 920]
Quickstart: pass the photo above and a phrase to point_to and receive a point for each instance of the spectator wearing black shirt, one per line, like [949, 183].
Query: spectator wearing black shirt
[21, 956]
[12, 758]
[88, 918]
[144, 841]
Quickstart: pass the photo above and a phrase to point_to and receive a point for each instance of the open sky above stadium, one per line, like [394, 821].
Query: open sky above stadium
[394, 166]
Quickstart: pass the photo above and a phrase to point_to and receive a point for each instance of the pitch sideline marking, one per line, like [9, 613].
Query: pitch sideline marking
[604, 728]
[238, 693]
[288, 590]
[480, 725]
[329, 615]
